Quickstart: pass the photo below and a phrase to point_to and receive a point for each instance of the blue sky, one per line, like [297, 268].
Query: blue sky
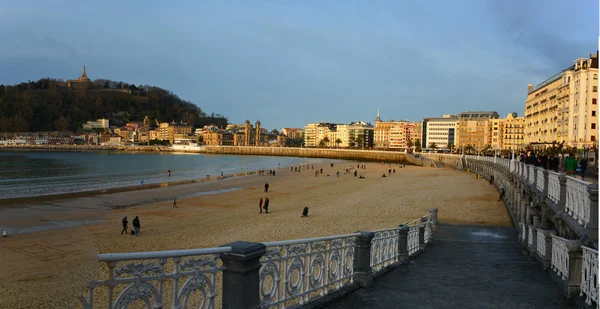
[289, 63]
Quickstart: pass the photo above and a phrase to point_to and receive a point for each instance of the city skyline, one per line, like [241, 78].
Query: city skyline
[284, 63]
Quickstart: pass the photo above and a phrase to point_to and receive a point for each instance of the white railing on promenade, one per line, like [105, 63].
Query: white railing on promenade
[294, 271]
[578, 200]
[553, 187]
[413, 240]
[589, 276]
[530, 174]
[530, 235]
[523, 228]
[560, 257]
[142, 276]
[539, 180]
[541, 243]
[428, 232]
[384, 248]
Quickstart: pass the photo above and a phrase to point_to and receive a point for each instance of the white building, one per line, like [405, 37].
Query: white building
[356, 133]
[441, 131]
[100, 124]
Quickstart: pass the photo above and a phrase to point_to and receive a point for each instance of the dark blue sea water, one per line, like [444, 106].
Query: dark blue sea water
[25, 174]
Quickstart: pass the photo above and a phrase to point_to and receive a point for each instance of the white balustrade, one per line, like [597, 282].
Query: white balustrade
[589, 276]
[578, 200]
[384, 248]
[553, 187]
[293, 271]
[560, 257]
[428, 233]
[413, 240]
[530, 235]
[541, 243]
[539, 180]
[530, 174]
[523, 231]
[142, 275]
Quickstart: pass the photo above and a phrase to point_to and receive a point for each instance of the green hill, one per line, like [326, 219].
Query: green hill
[51, 105]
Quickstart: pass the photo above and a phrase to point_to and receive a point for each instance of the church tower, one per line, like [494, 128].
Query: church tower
[257, 133]
[378, 118]
[247, 133]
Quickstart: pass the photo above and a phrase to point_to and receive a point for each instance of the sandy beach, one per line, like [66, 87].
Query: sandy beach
[49, 268]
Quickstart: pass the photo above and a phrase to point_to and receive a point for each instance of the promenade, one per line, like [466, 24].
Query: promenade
[465, 267]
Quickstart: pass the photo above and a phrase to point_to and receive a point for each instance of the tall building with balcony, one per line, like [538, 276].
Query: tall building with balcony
[172, 131]
[355, 134]
[513, 128]
[475, 129]
[315, 133]
[395, 134]
[564, 108]
[440, 131]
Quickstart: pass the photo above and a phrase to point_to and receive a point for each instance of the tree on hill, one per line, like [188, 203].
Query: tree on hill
[49, 105]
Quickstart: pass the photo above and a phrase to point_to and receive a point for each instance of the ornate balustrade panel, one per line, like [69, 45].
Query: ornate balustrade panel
[384, 248]
[530, 235]
[541, 243]
[553, 187]
[530, 174]
[413, 240]
[560, 256]
[190, 275]
[578, 200]
[523, 170]
[296, 271]
[539, 181]
[523, 230]
[589, 276]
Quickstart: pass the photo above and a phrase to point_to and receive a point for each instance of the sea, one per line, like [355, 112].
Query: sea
[32, 173]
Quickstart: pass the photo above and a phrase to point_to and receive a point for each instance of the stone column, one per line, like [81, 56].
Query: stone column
[422, 237]
[533, 247]
[241, 275]
[433, 214]
[547, 259]
[592, 226]
[573, 284]
[363, 273]
[562, 179]
[403, 244]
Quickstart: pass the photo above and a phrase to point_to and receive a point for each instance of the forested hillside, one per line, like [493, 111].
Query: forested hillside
[49, 105]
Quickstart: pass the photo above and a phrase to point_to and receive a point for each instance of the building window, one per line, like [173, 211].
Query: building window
[593, 113]
[593, 125]
[593, 138]
[595, 76]
[595, 89]
[594, 101]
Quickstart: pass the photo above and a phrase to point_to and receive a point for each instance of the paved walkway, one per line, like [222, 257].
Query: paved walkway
[465, 267]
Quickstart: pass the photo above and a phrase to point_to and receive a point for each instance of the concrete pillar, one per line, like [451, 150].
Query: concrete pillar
[562, 179]
[573, 284]
[547, 259]
[433, 214]
[592, 226]
[240, 276]
[545, 191]
[422, 237]
[363, 273]
[403, 244]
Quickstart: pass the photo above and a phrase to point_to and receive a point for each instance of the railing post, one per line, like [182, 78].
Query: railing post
[363, 273]
[592, 226]
[433, 214]
[403, 243]
[241, 280]
[532, 238]
[547, 259]
[421, 237]
[562, 180]
[575, 260]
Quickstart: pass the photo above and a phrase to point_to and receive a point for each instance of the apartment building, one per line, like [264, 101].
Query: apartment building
[513, 129]
[355, 134]
[440, 131]
[314, 133]
[564, 108]
[172, 131]
[475, 129]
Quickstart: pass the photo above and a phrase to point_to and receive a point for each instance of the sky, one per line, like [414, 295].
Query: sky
[290, 63]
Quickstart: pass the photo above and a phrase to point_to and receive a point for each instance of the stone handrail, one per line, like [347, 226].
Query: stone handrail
[141, 276]
[276, 274]
[589, 275]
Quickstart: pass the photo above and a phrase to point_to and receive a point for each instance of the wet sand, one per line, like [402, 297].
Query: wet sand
[48, 269]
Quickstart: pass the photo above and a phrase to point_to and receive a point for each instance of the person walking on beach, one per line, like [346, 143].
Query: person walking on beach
[136, 225]
[169, 173]
[124, 221]
[175, 202]
[355, 173]
[337, 173]
[266, 187]
[267, 205]
[142, 184]
[260, 204]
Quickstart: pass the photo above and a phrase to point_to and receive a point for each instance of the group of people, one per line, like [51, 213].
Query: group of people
[553, 163]
[269, 172]
[136, 226]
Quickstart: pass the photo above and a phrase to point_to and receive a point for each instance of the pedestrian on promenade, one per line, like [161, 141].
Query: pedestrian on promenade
[570, 164]
[266, 187]
[583, 165]
[136, 225]
[124, 221]
[266, 205]
[260, 205]
[175, 202]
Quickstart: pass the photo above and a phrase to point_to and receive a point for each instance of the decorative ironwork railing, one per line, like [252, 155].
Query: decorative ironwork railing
[560, 257]
[578, 200]
[589, 276]
[413, 240]
[541, 243]
[530, 235]
[384, 248]
[295, 271]
[553, 187]
[190, 274]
